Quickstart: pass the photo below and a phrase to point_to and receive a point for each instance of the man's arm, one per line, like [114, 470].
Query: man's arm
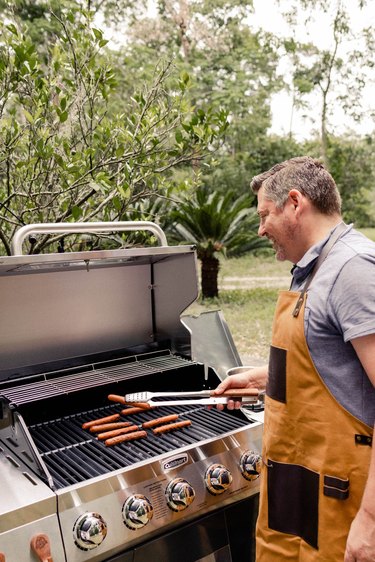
[360, 545]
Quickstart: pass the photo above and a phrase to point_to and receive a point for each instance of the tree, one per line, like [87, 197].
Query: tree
[232, 67]
[216, 223]
[66, 153]
[338, 71]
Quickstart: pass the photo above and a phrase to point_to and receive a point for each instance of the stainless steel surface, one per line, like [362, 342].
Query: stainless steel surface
[185, 398]
[83, 227]
[93, 375]
[211, 341]
[76, 327]
[107, 496]
[55, 308]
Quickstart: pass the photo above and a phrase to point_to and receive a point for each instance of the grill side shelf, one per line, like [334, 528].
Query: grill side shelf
[16, 437]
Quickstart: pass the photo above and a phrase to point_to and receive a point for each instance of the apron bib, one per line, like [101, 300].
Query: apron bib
[316, 454]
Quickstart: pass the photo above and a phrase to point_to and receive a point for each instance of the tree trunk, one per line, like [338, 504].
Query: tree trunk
[210, 272]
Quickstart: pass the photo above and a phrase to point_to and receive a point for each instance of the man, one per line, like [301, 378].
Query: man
[317, 500]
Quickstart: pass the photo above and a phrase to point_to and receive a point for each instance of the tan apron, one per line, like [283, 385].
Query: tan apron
[316, 454]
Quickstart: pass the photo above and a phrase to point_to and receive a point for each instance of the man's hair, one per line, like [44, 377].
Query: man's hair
[305, 174]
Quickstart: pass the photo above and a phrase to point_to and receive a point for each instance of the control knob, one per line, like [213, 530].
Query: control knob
[179, 494]
[89, 530]
[218, 479]
[137, 511]
[251, 465]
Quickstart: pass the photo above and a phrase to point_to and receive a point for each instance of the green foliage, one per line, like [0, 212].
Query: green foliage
[66, 152]
[351, 164]
[215, 223]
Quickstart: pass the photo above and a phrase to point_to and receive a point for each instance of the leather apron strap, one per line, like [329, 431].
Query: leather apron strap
[340, 229]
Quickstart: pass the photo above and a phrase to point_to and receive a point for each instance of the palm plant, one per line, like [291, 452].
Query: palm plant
[216, 223]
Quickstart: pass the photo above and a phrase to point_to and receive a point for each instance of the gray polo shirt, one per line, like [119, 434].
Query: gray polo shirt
[340, 306]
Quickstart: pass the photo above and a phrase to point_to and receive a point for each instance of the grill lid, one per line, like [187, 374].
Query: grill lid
[61, 306]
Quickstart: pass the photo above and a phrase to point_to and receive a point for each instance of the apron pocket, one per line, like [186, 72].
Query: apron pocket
[293, 498]
[276, 386]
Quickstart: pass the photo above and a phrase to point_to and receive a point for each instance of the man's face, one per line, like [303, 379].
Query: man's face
[279, 226]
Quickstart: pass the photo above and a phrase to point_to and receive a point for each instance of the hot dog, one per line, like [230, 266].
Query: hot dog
[121, 400]
[116, 398]
[126, 437]
[100, 421]
[171, 427]
[108, 426]
[115, 432]
[128, 411]
[158, 421]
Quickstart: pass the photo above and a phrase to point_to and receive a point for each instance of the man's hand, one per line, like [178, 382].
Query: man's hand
[360, 546]
[255, 377]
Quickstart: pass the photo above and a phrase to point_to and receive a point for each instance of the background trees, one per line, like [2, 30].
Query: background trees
[179, 103]
[67, 152]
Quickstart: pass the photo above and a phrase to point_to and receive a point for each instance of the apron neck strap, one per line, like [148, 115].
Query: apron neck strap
[340, 229]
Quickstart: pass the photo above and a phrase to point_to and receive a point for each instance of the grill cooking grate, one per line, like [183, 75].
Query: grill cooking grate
[73, 455]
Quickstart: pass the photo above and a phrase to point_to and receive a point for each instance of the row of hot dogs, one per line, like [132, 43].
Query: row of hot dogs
[112, 431]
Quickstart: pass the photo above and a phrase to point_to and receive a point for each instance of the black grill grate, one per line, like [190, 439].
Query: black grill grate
[73, 455]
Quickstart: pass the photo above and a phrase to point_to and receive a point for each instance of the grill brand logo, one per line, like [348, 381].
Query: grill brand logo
[174, 462]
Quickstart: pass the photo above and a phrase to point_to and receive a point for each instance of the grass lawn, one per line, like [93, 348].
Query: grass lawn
[248, 309]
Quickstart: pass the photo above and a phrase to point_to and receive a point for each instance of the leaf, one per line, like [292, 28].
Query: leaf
[12, 28]
[63, 116]
[28, 116]
[178, 136]
[76, 212]
[98, 34]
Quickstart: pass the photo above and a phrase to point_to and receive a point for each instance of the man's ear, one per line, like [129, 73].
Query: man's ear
[295, 198]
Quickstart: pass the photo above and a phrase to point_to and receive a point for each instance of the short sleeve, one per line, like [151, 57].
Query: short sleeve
[352, 299]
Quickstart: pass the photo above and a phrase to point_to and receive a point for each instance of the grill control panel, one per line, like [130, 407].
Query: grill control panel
[139, 510]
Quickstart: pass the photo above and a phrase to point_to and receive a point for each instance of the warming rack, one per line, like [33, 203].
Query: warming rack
[55, 383]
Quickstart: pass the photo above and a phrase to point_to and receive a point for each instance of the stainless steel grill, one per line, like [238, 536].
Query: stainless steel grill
[77, 328]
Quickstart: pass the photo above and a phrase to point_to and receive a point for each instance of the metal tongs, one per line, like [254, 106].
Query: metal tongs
[247, 396]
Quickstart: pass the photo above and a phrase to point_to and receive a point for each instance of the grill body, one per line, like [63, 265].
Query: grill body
[76, 328]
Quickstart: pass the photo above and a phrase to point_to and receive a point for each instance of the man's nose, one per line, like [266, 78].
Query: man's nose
[261, 230]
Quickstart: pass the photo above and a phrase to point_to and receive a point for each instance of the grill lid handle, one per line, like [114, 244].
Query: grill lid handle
[83, 227]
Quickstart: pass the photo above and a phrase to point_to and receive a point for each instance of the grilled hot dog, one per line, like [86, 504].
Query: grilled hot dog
[126, 437]
[108, 426]
[159, 421]
[171, 427]
[129, 411]
[115, 432]
[100, 421]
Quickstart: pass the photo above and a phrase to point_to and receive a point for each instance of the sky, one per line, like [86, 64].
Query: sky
[267, 16]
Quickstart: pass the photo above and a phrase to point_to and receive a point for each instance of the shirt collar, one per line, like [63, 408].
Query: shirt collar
[301, 269]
